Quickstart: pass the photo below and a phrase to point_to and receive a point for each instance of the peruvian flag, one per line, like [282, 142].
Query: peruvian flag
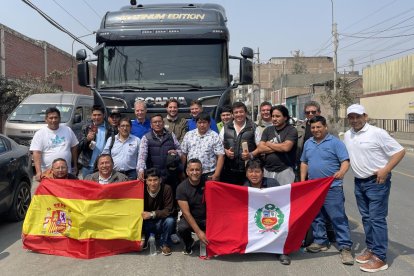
[273, 220]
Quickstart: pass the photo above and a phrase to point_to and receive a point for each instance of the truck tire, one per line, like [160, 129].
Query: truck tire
[21, 202]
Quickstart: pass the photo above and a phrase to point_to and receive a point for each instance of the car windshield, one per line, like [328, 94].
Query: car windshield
[35, 113]
[195, 65]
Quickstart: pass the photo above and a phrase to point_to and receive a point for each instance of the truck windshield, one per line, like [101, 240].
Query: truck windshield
[165, 66]
[35, 113]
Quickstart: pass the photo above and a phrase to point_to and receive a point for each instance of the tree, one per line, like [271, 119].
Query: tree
[13, 91]
[343, 97]
[299, 67]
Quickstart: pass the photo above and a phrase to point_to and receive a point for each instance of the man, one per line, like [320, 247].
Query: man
[124, 149]
[255, 178]
[113, 120]
[94, 139]
[325, 155]
[53, 141]
[141, 125]
[265, 116]
[190, 197]
[172, 123]
[278, 143]
[155, 146]
[59, 170]
[206, 145]
[311, 109]
[195, 109]
[225, 116]
[373, 154]
[240, 138]
[106, 173]
[158, 207]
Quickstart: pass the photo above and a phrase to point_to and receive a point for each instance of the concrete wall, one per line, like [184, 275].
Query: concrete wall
[389, 106]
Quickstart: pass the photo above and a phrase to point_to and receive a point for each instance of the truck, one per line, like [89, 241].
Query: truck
[160, 51]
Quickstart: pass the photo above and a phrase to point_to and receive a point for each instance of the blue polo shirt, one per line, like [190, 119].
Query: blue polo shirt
[140, 129]
[324, 159]
[192, 124]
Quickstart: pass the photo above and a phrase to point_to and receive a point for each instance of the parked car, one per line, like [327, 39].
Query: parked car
[29, 115]
[15, 179]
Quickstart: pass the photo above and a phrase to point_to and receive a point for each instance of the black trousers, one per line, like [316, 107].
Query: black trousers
[184, 230]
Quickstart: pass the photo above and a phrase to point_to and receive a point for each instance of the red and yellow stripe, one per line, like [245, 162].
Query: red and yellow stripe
[84, 219]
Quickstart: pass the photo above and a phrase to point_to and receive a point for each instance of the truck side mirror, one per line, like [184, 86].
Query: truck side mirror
[247, 52]
[81, 55]
[77, 119]
[83, 74]
[246, 72]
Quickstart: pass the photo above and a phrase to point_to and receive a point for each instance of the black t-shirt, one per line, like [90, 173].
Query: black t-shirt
[279, 161]
[194, 195]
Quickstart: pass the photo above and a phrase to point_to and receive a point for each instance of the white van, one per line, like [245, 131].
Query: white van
[29, 115]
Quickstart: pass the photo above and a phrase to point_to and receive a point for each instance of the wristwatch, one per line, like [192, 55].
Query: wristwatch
[153, 214]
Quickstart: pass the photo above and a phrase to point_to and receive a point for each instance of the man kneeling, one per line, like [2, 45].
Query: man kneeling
[158, 207]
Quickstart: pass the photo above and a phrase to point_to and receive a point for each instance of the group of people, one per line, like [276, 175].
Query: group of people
[175, 157]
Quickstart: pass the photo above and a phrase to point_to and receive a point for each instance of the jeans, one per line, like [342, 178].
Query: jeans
[372, 200]
[184, 230]
[334, 209]
[86, 171]
[162, 226]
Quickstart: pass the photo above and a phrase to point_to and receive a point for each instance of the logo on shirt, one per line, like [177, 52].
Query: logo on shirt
[269, 218]
[57, 141]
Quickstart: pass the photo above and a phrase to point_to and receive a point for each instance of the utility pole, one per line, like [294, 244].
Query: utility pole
[335, 60]
[258, 82]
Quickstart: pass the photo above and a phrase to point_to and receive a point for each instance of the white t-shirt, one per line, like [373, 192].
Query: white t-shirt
[54, 144]
[369, 149]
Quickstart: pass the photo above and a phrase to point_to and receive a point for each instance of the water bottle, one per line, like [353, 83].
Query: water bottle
[203, 252]
[152, 246]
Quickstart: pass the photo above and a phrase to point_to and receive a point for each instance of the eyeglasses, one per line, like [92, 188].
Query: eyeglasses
[311, 112]
[124, 126]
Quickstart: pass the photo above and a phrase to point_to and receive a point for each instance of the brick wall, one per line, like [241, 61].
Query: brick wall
[24, 55]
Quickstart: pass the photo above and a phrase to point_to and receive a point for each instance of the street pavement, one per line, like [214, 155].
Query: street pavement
[14, 260]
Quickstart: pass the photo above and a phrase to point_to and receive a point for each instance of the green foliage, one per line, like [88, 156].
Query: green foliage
[343, 97]
[299, 66]
[13, 91]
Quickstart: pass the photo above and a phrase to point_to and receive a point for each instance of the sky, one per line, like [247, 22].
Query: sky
[370, 31]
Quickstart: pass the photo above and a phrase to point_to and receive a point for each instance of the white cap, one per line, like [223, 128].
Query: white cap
[355, 108]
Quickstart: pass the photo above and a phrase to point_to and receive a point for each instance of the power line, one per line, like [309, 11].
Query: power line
[57, 25]
[93, 10]
[376, 37]
[77, 20]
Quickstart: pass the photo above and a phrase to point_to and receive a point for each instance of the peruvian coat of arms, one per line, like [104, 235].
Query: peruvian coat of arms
[269, 218]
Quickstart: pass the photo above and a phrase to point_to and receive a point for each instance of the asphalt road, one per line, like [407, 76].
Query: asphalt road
[14, 260]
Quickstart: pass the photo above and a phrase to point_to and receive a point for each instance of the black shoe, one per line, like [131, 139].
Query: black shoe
[188, 249]
[284, 259]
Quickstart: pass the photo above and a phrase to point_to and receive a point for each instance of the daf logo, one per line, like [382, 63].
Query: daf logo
[160, 101]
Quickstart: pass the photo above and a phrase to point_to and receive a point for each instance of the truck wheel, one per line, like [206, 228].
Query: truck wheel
[21, 202]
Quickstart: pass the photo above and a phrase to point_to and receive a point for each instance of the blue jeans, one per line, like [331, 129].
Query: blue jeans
[164, 227]
[372, 200]
[334, 209]
[86, 171]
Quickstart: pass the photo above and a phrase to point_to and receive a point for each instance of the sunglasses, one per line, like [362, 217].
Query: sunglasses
[310, 112]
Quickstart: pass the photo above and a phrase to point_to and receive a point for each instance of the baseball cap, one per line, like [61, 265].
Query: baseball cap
[115, 112]
[355, 108]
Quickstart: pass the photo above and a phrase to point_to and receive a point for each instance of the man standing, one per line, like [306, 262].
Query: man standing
[94, 138]
[278, 143]
[265, 116]
[172, 123]
[106, 173]
[226, 116]
[158, 207]
[124, 149]
[311, 109]
[155, 146]
[240, 138]
[325, 155]
[195, 109]
[373, 154]
[53, 141]
[205, 144]
[113, 120]
[141, 125]
[190, 197]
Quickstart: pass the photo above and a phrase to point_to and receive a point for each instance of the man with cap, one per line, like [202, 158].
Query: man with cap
[113, 120]
[373, 154]
[226, 116]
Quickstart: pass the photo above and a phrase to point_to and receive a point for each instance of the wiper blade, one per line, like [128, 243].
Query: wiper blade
[124, 87]
[181, 83]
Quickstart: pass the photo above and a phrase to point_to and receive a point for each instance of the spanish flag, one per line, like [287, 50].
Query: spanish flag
[84, 219]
